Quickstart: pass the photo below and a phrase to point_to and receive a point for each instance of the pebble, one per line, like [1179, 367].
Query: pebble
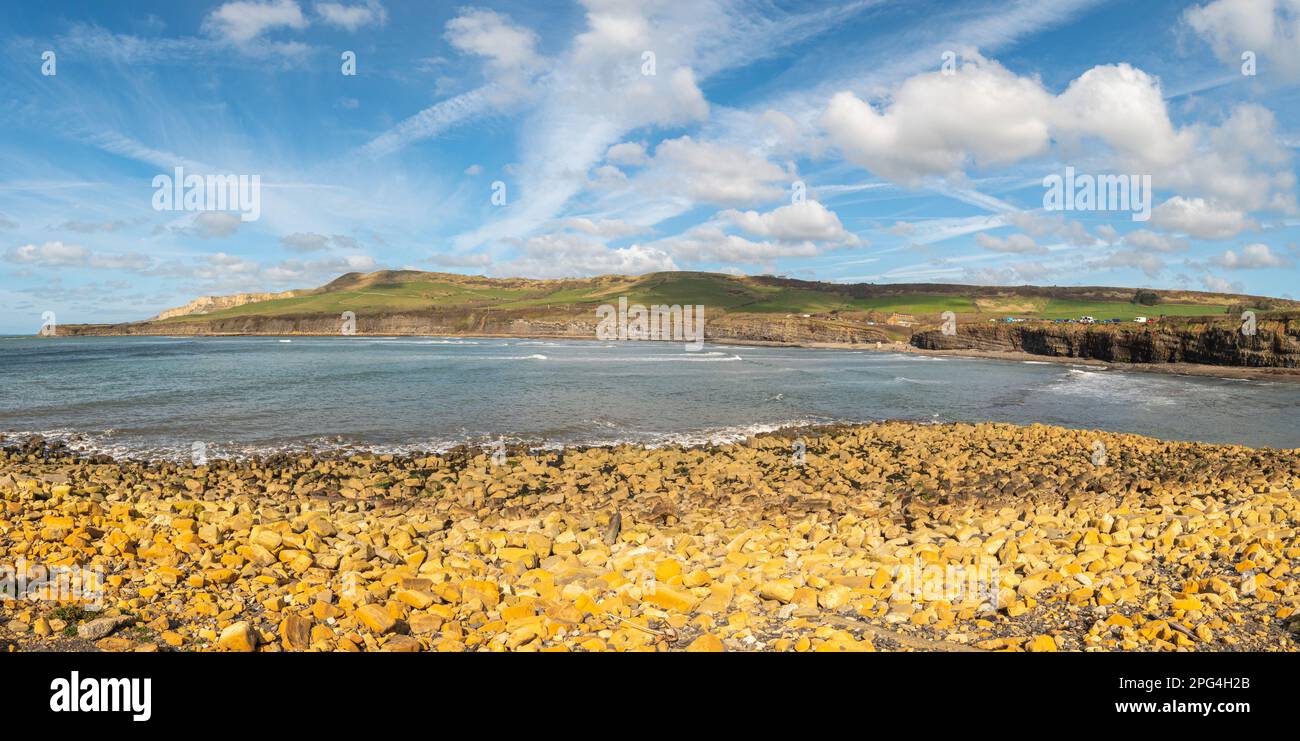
[996, 537]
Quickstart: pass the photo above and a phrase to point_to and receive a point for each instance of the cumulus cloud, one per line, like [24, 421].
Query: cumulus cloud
[49, 254]
[243, 21]
[57, 254]
[1200, 219]
[709, 243]
[720, 174]
[1150, 264]
[509, 50]
[1147, 240]
[1042, 225]
[1016, 243]
[1269, 28]
[1252, 257]
[1221, 285]
[627, 153]
[937, 125]
[352, 17]
[1014, 274]
[797, 222]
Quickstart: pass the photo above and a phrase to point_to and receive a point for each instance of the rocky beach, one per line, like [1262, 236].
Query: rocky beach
[886, 536]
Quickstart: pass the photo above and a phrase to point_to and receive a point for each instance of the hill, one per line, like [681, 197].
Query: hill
[762, 309]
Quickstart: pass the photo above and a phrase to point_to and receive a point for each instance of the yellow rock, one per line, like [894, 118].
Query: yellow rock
[707, 643]
[781, 590]
[376, 618]
[669, 598]
[1042, 644]
[295, 633]
[416, 598]
[238, 637]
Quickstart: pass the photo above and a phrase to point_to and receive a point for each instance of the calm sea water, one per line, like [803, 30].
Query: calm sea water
[157, 396]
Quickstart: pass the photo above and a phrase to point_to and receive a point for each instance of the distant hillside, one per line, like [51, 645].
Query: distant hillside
[410, 290]
[740, 308]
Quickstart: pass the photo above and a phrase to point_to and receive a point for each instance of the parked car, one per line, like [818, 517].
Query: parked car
[1087, 320]
[1141, 319]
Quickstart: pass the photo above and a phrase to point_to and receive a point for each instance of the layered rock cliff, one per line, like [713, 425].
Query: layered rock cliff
[1276, 342]
[792, 330]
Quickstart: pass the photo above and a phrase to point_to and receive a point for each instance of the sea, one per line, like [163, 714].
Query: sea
[237, 397]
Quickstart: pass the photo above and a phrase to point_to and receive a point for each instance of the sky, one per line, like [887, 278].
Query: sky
[850, 141]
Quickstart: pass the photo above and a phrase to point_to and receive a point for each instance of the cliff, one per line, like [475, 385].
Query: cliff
[208, 304]
[1275, 344]
[780, 329]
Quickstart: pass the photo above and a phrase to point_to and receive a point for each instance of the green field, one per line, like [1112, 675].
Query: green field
[1066, 309]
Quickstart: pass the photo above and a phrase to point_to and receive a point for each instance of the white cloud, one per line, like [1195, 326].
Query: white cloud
[796, 222]
[1015, 274]
[606, 177]
[49, 254]
[1252, 257]
[716, 173]
[1124, 107]
[1200, 219]
[937, 124]
[510, 50]
[58, 254]
[603, 228]
[1043, 225]
[214, 224]
[709, 243]
[1016, 243]
[1270, 28]
[243, 21]
[627, 153]
[474, 170]
[564, 255]
[352, 17]
[1145, 239]
[1221, 285]
[1150, 264]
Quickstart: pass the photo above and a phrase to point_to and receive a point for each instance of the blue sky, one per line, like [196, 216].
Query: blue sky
[867, 141]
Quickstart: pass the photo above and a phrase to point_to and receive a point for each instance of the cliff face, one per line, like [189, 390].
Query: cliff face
[1276, 343]
[578, 325]
[206, 304]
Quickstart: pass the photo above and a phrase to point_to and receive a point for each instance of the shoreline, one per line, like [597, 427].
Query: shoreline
[1021, 542]
[1228, 372]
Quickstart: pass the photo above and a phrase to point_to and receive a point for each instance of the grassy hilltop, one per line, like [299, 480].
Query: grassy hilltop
[396, 291]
